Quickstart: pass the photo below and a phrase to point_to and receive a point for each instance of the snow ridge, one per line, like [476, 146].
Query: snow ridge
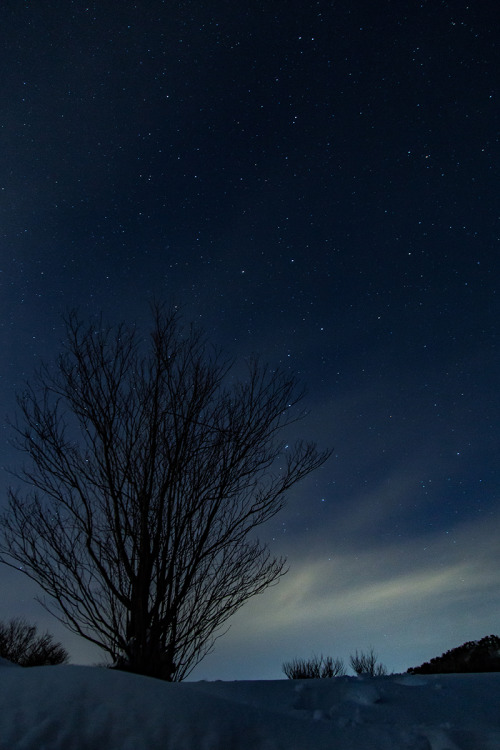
[83, 708]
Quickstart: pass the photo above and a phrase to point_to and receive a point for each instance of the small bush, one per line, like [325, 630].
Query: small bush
[20, 644]
[317, 667]
[367, 663]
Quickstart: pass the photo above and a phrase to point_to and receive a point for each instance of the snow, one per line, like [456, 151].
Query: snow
[84, 708]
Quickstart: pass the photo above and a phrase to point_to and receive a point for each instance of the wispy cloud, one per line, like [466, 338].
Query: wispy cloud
[411, 599]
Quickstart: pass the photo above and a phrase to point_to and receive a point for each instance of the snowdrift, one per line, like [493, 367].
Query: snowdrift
[89, 708]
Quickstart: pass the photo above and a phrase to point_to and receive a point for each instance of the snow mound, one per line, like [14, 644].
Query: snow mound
[365, 695]
[84, 708]
[410, 679]
[7, 663]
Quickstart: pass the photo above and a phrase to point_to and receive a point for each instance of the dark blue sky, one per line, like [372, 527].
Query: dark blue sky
[314, 182]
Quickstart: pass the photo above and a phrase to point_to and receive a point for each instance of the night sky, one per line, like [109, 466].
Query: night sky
[316, 183]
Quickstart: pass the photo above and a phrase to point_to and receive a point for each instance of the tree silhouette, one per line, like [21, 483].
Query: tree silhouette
[150, 467]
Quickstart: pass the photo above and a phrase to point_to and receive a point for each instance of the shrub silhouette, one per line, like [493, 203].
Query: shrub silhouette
[472, 656]
[21, 644]
[367, 663]
[316, 667]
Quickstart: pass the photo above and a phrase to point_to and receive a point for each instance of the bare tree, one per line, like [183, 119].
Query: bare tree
[150, 468]
[21, 644]
[367, 663]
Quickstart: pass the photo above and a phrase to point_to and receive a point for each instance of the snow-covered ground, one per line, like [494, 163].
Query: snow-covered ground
[77, 708]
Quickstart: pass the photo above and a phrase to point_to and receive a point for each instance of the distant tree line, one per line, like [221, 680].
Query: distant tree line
[473, 656]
